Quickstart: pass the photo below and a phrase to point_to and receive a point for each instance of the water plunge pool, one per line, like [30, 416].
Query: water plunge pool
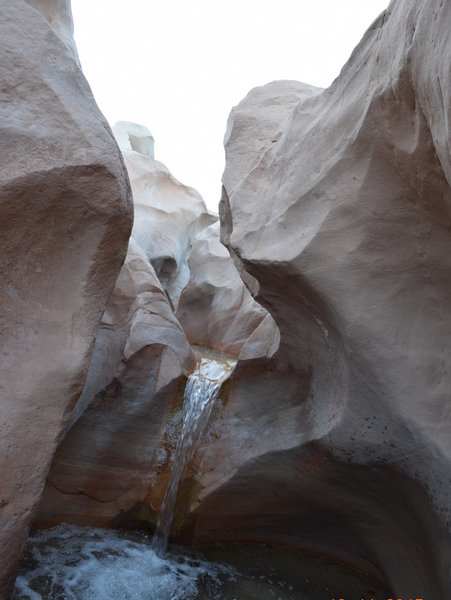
[75, 563]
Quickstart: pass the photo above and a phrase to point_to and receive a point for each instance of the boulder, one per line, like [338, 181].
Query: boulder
[168, 214]
[215, 309]
[107, 462]
[132, 137]
[65, 219]
[337, 210]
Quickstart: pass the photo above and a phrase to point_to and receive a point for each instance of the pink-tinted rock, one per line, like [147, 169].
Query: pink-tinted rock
[168, 214]
[337, 205]
[58, 15]
[106, 463]
[65, 218]
[263, 342]
[216, 310]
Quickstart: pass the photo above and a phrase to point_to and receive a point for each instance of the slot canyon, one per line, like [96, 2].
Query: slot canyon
[322, 290]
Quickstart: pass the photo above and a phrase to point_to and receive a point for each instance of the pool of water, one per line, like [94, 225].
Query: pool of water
[74, 563]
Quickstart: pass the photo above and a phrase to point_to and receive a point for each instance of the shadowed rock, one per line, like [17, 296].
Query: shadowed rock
[216, 310]
[337, 211]
[106, 463]
[168, 214]
[65, 218]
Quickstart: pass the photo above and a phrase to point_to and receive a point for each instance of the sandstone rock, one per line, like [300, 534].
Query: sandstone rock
[106, 463]
[65, 218]
[134, 137]
[337, 205]
[137, 315]
[215, 309]
[111, 466]
[263, 342]
[168, 214]
[59, 16]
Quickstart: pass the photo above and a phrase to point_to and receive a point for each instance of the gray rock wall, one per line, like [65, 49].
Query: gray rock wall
[65, 218]
[337, 209]
[107, 462]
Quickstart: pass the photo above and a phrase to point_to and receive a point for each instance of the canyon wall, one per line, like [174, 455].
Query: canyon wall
[337, 211]
[65, 219]
[334, 431]
[107, 462]
[168, 214]
[215, 309]
[113, 464]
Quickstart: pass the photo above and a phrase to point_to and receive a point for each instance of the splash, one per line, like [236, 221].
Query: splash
[76, 563]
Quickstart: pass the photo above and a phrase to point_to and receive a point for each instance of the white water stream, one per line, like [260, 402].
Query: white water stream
[202, 389]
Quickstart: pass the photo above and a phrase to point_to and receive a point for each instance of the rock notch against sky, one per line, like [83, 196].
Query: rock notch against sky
[168, 214]
[111, 465]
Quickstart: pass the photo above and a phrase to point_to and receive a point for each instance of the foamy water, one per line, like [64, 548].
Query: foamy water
[75, 563]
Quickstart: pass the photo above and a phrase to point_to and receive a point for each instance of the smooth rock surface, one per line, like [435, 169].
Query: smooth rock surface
[113, 464]
[263, 342]
[337, 209]
[65, 218]
[58, 14]
[215, 309]
[107, 460]
[168, 214]
[134, 137]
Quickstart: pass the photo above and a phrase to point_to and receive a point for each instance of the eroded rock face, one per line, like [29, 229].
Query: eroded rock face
[263, 342]
[65, 218]
[168, 214]
[106, 463]
[337, 206]
[112, 466]
[59, 16]
[216, 310]
[134, 137]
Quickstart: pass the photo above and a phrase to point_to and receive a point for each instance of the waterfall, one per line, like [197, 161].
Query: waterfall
[201, 391]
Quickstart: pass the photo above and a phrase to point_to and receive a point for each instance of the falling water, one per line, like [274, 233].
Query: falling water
[78, 563]
[202, 389]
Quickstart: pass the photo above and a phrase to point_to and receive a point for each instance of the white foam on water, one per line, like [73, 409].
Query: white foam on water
[74, 563]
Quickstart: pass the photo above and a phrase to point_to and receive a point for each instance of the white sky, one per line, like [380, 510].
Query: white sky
[178, 66]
